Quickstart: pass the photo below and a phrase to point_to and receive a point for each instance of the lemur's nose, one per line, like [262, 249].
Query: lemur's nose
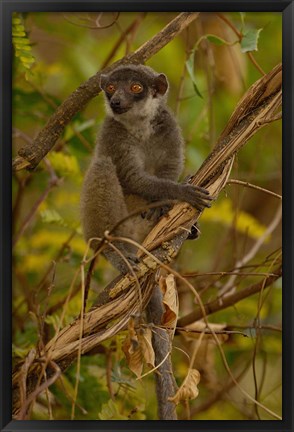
[115, 103]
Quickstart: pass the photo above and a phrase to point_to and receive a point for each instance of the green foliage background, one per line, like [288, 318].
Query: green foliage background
[54, 54]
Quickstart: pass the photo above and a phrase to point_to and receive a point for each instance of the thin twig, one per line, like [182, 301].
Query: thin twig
[108, 373]
[97, 25]
[76, 388]
[257, 343]
[134, 25]
[226, 273]
[39, 389]
[259, 327]
[252, 186]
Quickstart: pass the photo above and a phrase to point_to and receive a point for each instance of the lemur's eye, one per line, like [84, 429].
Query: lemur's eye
[110, 88]
[136, 88]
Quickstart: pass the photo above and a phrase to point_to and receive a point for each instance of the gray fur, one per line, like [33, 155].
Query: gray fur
[137, 161]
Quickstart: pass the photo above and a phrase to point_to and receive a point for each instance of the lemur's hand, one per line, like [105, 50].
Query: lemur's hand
[197, 196]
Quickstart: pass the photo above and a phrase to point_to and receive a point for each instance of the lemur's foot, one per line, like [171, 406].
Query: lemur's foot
[195, 232]
[156, 213]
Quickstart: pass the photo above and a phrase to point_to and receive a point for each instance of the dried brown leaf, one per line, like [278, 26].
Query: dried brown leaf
[133, 353]
[194, 330]
[188, 389]
[170, 301]
[132, 350]
[145, 342]
[137, 347]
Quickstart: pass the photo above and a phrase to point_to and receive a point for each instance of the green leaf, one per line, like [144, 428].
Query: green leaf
[26, 57]
[18, 27]
[52, 217]
[190, 69]
[26, 48]
[27, 66]
[16, 20]
[249, 40]
[18, 33]
[20, 41]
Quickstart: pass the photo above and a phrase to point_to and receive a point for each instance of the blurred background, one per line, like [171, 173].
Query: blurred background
[209, 66]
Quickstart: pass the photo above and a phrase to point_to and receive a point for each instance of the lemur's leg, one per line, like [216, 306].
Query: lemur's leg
[102, 195]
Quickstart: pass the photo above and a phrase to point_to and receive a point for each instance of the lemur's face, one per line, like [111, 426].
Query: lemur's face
[122, 95]
[129, 89]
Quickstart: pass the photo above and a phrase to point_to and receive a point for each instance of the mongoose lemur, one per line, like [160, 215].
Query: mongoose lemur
[137, 161]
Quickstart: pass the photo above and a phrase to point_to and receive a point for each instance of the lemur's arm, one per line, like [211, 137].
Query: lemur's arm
[134, 180]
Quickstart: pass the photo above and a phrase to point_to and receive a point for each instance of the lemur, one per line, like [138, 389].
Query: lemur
[138, 159]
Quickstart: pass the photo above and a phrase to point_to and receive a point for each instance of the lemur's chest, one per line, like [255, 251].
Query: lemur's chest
[138, 125]
[141, 131]
[153, 156]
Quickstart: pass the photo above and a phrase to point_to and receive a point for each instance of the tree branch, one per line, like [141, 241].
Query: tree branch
[30, 156]
[230, 300]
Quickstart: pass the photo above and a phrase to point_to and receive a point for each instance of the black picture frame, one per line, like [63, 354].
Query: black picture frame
[287, 9]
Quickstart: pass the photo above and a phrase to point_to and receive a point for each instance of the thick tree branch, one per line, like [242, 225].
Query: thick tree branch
[120, 299]
[31, 155]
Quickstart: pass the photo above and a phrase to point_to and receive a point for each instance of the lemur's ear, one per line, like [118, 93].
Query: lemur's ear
[160, 84]
[103, 79]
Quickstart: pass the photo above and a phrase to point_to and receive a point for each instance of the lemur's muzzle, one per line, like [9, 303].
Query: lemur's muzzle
[117, 106]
